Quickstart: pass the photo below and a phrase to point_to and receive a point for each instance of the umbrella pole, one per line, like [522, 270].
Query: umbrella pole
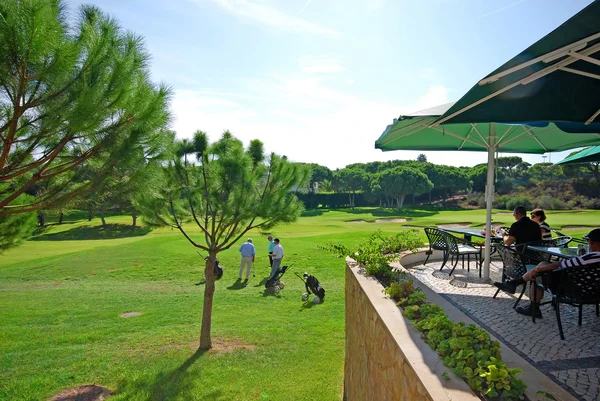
[489, 199]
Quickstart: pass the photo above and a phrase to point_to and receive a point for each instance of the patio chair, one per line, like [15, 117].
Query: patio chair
[460, 248]
[513, 267]
[560, 242]
[578, 286]
[436, 242]
[573, 239]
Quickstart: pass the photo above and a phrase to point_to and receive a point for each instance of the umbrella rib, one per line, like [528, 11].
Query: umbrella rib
[524, 81]
[447, 131]
[585, 74]
[552, 55]
[419, 125]
[487, 145]
[585, 58]
[593, 117]
[527, 132]
[505, 134]
[466, 138]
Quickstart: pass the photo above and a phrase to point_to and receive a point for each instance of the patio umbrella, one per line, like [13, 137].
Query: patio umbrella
[555, 79]
[591, 154]
[415, 132]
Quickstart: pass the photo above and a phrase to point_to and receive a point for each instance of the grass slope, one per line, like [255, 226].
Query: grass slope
[62, 293]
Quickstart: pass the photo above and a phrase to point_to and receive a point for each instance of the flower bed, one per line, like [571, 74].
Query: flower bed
[466, 349]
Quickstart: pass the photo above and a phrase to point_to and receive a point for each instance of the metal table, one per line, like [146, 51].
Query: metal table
[562, 253]
[468, 233]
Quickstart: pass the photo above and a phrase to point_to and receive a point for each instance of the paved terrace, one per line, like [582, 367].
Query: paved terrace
[573, 363]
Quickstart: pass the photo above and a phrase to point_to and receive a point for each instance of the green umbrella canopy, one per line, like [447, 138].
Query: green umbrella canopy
[591, 154]
[414, 132]
[556, 79]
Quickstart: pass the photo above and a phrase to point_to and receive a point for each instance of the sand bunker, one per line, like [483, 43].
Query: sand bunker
[385, 220]
[130, 314]
[83, 393]
[454, 225]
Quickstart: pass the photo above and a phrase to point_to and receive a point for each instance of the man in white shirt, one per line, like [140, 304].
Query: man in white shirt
[248, 252]
[277, 256]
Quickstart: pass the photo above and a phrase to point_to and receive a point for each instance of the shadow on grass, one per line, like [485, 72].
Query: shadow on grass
[168, 385]
[313, 212]
[309, 304]
[412, 213]
[110, 231]
[262, 281]
[238, 285]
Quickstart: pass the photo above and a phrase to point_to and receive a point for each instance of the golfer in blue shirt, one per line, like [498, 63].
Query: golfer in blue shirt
[270, 250]
[247, 250]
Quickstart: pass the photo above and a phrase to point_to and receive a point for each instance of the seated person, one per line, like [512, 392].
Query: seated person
[539, 217]
[523, 230]
[551, 279]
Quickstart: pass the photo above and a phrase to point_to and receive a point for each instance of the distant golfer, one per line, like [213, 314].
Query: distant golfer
[248, 252]
[277, 256]
[270, 250]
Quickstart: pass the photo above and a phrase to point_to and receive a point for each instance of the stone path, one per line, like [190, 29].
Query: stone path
[573, 363]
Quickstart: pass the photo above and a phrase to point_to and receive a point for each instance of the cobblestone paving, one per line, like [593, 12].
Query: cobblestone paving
[573, 363]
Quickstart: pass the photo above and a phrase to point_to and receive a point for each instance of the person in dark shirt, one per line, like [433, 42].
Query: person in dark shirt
[523, 230]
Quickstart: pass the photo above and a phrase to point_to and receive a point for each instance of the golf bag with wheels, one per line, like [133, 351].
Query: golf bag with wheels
[312, 286]
[273, 282]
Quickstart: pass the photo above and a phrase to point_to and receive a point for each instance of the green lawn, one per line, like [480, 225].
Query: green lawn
[61, 295]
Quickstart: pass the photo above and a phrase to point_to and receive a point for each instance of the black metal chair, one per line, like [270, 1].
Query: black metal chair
[573, 239]
[513, 267]
[560, 242]
[437, 242]
[460, 248]
[578, 286]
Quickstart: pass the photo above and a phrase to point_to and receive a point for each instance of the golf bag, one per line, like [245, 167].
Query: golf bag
[273, 282]
[312, 286]
[217, 270]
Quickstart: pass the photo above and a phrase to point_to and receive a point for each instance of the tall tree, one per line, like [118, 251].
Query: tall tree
[352, 180]
[63, 87]
[400, 181]
[227, 191]
[422, 158]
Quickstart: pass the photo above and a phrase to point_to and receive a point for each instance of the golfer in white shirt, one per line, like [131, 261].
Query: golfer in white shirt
[277, 256]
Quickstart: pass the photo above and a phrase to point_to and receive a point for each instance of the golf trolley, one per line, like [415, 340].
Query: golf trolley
[312, 286]
[273, 283]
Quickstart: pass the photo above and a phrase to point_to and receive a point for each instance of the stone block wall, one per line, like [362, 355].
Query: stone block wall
[384, 360]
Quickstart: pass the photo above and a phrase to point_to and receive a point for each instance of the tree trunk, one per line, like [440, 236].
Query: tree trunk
[134, 216]
[209, 291]
[60, 217]
[90, 213]
[41, 219]
[430, 196]
[400, 201]
[102, 217]
[350, 200]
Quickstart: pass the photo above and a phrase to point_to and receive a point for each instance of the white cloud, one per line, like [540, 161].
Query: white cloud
[300, 118]
[320, 64]
[265, 14]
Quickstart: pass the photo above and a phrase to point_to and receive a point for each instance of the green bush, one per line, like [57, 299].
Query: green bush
[515, 201]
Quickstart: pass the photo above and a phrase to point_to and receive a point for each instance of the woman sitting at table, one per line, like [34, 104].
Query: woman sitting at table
[551, 279]
[539, 217]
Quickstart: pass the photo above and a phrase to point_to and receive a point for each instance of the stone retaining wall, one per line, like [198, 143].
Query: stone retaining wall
[386, 359]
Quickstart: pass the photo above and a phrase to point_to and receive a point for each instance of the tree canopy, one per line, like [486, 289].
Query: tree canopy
[69, 94]
[225, 190]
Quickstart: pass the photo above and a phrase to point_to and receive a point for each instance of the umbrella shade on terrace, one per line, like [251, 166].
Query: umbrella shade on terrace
[415, 132]
[556, 79]
[591, 154]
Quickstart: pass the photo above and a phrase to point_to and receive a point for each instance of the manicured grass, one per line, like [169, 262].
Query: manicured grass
[61, 295]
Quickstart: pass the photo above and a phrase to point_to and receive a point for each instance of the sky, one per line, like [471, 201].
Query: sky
[319, 80]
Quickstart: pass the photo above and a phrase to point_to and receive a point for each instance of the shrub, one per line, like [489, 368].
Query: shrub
[515, 201]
